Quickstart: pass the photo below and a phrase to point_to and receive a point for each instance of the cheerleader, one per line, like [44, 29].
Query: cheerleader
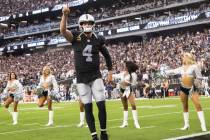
[128, 82]
[190, 75]
[13, 93]
[47, 90]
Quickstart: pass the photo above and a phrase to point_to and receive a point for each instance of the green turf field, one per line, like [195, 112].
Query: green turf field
[159, 119]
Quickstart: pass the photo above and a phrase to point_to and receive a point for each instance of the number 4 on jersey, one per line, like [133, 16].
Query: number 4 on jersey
[87, 52]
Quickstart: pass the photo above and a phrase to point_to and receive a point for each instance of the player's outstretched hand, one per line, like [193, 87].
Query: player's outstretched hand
[66, 10]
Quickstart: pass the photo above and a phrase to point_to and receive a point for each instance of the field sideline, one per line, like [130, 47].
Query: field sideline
[159, 119]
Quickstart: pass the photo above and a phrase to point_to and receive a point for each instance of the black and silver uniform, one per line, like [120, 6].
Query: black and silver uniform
[86, 55]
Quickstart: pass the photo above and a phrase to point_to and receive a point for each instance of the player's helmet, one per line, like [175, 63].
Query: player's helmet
[86, 18]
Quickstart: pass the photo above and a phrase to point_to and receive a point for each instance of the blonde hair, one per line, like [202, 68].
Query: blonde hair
[45, 68]
[189, 58]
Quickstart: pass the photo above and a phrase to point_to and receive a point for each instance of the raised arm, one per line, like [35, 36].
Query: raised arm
[173, 71]
[64, 31]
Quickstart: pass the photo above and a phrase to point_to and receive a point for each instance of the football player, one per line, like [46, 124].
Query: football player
[87, 46]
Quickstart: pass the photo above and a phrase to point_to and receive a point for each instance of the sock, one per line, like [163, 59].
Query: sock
[135, 116]
[186, 118]
[51, 116]
[102, 114]
[82, 117]
[15, 117]
[201, 118]
[94, 136]
[90, 118]
[125, 116]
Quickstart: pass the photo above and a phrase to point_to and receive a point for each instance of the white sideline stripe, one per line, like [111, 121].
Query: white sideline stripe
[37, 108]
[26, 124]
[176, 128]
[162, 114]
[146, 127]
[20, 131]
[152, 126]
[145, 116]
[163, 106]
[159, 99]
[155, 107]
[32, 124]
[189, 136]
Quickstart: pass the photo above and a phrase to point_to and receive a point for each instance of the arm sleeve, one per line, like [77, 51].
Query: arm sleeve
[105, 53]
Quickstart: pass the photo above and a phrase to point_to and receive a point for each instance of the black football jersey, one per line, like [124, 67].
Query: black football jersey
[86, 55]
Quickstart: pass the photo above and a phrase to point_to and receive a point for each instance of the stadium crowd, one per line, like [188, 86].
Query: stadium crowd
[122, 7]
[10, 7]
[105, 13]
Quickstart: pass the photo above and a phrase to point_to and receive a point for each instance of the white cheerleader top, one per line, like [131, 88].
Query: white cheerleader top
[192, 71]
[51, 81]
[122, 77]
[15, 84]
